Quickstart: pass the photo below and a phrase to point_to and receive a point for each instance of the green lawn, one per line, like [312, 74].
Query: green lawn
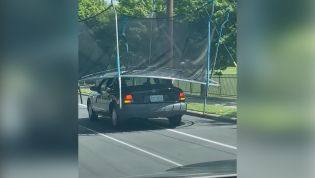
[213, 109]
[229, 70]
[85, 91]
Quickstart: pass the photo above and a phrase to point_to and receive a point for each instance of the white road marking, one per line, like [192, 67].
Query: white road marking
[134, 147]
[218, 176]
[203, 139]
[186, 175]
[193, 136]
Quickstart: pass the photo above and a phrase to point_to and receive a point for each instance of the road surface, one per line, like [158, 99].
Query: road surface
[198, 147]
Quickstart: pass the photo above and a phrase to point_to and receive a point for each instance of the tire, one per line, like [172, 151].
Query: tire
[116, 120]
[92, 115]
[175, 121]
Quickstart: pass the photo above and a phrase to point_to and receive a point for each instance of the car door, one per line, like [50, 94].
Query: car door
[105, 95]
[98, 96]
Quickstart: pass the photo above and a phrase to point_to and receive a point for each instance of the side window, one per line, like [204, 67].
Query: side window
[106, 83]
[114, 84]
[127, 82]
[109, 83]
[151, 81]
[98, 82]
[140, 81]
[89, 82]
[155, 81]
[103, 85]
[166, 82]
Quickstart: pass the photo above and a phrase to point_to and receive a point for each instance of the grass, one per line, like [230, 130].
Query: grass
[85, 91]
[213, 109]
[229, 70]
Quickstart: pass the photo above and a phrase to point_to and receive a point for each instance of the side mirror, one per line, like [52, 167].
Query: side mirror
[94, 88]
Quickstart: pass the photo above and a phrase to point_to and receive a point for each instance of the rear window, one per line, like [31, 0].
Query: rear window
[145, 81]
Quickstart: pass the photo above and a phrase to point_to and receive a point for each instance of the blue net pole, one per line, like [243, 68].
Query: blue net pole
[117, 57]
[208, 59]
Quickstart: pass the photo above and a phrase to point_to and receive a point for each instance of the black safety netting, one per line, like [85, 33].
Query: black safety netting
[174, 48]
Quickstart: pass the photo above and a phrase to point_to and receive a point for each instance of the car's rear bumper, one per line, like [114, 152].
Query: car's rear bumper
[155, 110]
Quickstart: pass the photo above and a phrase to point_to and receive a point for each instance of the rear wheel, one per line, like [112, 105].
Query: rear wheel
[175, 121]
[116, 121]
[92, 115]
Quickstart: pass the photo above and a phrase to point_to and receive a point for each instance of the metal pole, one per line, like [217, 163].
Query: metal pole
[170, 9]
[208, 59]
[118, 58]
[152, 16]
[220, 87]
[190, 87]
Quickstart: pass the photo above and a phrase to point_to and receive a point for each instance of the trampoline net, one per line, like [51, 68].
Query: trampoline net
[174, 48]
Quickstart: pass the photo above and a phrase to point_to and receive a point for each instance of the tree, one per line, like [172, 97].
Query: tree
[191, 10]
[194, 10]
[228, 39]
[89, 8]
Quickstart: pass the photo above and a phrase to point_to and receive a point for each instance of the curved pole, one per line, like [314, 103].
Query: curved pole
[234, 61]
[118, 57]
[218, 44]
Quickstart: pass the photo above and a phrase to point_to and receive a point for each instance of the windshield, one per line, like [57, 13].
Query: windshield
[137, 81]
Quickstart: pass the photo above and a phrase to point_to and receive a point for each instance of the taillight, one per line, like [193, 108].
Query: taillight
[128, 99]
[182, 96]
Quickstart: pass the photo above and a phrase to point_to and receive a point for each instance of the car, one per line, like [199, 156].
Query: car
[142, 98]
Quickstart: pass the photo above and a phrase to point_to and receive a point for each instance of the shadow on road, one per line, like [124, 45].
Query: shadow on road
[222, 168]
[103, 125]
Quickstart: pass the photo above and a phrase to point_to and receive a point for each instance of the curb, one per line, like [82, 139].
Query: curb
[212, 116]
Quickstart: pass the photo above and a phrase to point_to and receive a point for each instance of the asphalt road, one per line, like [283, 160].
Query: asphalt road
[198, 147]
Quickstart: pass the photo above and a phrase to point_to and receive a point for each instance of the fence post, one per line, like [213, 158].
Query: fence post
[202, 90]
[220, 87]
[190, 88]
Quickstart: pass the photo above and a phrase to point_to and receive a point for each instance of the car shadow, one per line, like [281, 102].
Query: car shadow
[221, 168]
[103, 125]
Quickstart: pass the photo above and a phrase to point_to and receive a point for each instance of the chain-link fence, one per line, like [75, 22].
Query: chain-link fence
[228, 86]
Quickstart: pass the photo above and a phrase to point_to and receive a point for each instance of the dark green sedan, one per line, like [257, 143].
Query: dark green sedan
[142, 98]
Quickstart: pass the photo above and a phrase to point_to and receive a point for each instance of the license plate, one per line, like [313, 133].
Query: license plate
[156, 98]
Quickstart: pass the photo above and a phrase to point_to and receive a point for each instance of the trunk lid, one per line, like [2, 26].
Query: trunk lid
[153, 94]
